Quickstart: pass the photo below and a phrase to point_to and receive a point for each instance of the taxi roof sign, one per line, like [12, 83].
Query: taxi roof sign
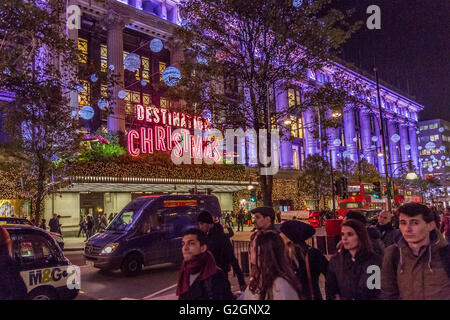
[180, 203]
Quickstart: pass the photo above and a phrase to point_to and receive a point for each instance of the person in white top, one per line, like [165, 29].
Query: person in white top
[272, 275]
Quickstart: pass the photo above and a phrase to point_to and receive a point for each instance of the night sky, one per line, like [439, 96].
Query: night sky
[411, 51]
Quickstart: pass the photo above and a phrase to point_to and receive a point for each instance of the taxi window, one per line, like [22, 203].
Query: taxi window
[35, 251]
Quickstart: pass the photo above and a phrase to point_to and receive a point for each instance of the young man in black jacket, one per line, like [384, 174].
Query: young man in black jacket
[220, 246]
[199, 277]
[389, 235]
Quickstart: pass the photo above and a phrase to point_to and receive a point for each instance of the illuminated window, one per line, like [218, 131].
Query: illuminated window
[296, 127]
[164, 103]
[433, 126]
[162, 67]
[145, 68]
[295, 158]
[294, 97]
[146, 99]
[84, 96]
[104, 57]
[434, 137]
[436, 151]
[83, 50]
[104, 91]
[422, 128]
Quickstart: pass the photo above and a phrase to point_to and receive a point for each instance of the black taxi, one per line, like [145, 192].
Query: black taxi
[47, 274]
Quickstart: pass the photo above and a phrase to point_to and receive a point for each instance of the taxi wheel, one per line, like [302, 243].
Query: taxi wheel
[131, 265]
[43, 294]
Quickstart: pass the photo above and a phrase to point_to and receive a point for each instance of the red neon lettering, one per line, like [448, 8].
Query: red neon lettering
[132, 134]
[163, 114]
[183, 121]
[176, 119]
[169, 116]
[146, 140]
[196, 147]
[148, 114]
[160, 136]
[156, 115]
[140, 112]
[169, 138]
[178, 150]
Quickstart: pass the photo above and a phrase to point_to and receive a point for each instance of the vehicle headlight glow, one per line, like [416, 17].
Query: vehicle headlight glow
[110, 248]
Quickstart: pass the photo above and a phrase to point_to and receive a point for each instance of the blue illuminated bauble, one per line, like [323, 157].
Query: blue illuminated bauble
[355, 139]
[94, 78]
[185, 24]
[420, 148]
[102, 104]
[87, 112]
[156, 45]
[297, 3]
[171, 76]
[373, 147]
[395, 138]
[442, 148]
[430, 169]
[79, 87]
[407, 147]
[443, 158]
[361, 156]
[202, 60]
[132, 62]
[417, 131]
[143, 83]
[111, 67]
[430, 146]
[374, 138]
[337, 142]
[122, 94]
[74, 114]
[346, 154]
[441, 129]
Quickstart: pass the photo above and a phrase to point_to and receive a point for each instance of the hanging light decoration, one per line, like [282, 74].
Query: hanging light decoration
[374, 138]
[395, 138]
[171, 76]
[441, 129]
[122, 94]
[346, 154]
[111, 67]
[442, 148]
[143, 83]
[79, 87]
[407, 147]
[94, 77]
[297, 3]
[156, 45]
[430, 146]
[337, 142]
[132, 62]
[102, 104]
[87, 112]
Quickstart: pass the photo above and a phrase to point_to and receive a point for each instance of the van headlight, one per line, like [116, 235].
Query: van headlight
[109, 248]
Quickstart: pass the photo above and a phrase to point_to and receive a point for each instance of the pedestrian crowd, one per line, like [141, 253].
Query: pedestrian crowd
[372, 262]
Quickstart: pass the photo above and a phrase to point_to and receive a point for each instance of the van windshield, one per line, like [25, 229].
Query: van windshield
[126, 218]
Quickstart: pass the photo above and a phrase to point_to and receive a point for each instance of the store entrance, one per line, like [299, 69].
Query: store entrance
[92, 203]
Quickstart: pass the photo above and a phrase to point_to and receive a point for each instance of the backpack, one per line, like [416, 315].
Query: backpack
[444, 253]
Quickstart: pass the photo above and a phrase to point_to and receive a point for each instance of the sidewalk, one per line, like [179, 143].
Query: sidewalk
[74, 243]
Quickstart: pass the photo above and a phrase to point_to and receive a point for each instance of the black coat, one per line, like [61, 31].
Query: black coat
[348, 278]
[318, 264]
[375, 239]
[12, 286]
[389, 235]
[54, 225]
[220, 246]
[217, 287]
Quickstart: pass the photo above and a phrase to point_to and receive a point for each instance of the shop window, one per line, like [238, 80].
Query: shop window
[164, 103]
[104, 57]
[84, 95]
[162, 67]
[83, 50]
[296, 127]
[146, 99]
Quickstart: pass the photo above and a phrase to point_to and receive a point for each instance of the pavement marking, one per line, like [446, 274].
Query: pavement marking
[160, 291]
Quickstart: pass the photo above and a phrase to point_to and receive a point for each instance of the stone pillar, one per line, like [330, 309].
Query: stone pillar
[349, 134]
[413, 143]
[404, 141]
[164, 10]
[311, 144]
[285, 144]
[393, 147]
[115, 24]
[366, 136]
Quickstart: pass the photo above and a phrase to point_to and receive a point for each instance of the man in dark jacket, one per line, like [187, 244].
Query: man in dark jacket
[387, 231]
[199, 277]
[54, 224]
[220, 246]
[12, 286]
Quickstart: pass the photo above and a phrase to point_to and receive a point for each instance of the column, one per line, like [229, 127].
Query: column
[404, 140]
[164, 10]
[332, 135]
[366, 135]
[393, 147]
[413, 143]
[115, 24]
[349, 133]
[311, 144]
[285, 144]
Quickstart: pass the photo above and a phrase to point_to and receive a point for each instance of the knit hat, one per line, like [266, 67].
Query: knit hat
[4, 238]
[264, 211]
[297, 231]
[205, 217]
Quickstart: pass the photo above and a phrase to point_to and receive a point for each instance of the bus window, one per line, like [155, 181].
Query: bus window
[350, 205]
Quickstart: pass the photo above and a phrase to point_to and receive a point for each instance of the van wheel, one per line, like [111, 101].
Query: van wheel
[131, 265]
[43, 294]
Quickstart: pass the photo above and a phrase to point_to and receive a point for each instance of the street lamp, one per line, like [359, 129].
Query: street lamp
[411, 175]
[336, 114]
[287, 122]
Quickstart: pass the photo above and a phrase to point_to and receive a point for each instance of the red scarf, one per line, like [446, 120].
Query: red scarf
[203, 263]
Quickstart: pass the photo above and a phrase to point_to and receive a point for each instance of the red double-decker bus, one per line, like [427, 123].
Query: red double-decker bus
[361, 196]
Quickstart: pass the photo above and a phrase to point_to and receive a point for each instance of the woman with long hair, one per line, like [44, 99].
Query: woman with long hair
[272, 275]
[308, 263]
[350, 269]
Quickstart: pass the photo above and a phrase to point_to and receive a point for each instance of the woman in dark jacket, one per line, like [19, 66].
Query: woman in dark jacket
[308, 263]
[349, 270]
[12, 286]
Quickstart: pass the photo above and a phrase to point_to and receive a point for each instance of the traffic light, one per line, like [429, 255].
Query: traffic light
[377, 190]
[259, 197]
[344, 188]
[252, 195]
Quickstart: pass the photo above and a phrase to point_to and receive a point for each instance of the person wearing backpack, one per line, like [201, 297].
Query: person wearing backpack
[445, 224]
[417, 266]
[199, 277]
